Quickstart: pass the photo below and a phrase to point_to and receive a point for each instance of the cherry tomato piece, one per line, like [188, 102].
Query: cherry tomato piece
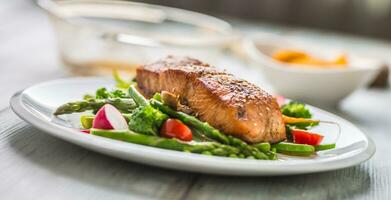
[305, 137]
[173, 128]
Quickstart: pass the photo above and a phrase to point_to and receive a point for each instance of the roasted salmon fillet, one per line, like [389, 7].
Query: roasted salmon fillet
[232, 105]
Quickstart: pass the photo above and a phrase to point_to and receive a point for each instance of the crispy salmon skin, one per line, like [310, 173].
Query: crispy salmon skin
[232, 105]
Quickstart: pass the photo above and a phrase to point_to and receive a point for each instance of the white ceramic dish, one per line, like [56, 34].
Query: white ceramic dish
[36, 104]
[132, 33]
[324, 87]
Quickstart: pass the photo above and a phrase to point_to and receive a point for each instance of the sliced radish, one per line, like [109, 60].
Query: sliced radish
[108, 117]
[87, 131]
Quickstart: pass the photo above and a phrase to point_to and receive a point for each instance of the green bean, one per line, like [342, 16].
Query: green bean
[323, 147]
[294, 149]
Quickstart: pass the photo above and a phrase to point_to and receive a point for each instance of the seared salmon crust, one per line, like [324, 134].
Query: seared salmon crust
[232, 105]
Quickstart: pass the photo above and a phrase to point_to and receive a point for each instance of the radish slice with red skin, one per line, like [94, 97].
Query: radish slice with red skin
[86, 131]
[101, 120]
[108, 117]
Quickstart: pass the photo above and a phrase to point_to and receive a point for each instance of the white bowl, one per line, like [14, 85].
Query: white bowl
[322, 87]
[95, 36]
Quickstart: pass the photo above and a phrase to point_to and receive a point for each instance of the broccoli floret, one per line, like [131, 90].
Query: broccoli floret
[295, 109]
[147, 120]
[298, 110]
[103, 93]
[118, 94]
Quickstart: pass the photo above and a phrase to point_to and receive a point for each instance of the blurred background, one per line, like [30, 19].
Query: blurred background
[360, 17]
[344, 44]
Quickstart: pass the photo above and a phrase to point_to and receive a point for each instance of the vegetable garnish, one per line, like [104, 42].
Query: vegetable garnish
[103, 93]
[323, 147]
[294, 149]
[147, 120]
[209, 148]
[264, 146]
[128, 116]
[108, 117]
[173, 128]
[300, 122]
[86, 121]
[137, 97]
[296, 115]
[296, 109]
[305, 137]
[189, 120]
[123, 105]
[211, 132]
[292, 120]
[121, 83]
[86, 131]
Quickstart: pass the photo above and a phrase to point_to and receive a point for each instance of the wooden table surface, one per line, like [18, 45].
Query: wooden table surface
[34, 165]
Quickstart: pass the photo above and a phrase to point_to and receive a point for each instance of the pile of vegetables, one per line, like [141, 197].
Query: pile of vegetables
[124, 114]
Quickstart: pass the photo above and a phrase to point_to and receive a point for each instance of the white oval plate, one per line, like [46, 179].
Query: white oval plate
[36, 104]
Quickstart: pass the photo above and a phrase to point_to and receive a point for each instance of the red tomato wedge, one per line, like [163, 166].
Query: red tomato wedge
[305, 137]
[173, 128]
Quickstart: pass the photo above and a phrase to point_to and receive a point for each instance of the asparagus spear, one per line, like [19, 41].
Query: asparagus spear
[121, 83]
[123, 105]
[203, 127]
[248, 150]
[137, 97]
[213, 133]
[208, 148]
[263, 146]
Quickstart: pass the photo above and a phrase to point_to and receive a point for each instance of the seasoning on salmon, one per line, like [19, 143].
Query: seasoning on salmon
[232, 105]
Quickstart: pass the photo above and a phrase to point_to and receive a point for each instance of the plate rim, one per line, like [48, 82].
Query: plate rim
[190, 162]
